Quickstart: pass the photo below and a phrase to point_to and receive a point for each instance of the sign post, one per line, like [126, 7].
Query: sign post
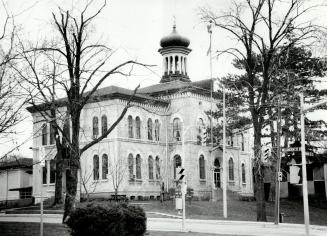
[182, 184]
[42, 164]
[278, 179]
[304, 172]
[183, 190]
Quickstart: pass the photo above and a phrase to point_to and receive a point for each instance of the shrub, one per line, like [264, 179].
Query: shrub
[171, 192]
[112, 219]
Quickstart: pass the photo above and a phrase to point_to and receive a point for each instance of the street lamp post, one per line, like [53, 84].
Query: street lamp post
[304, 171]
[224, 157]
[209, 27]
[304, 164]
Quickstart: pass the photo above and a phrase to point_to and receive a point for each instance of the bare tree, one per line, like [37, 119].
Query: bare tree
[260, 28]
[117, 172]
[11, 101]
[82, 69]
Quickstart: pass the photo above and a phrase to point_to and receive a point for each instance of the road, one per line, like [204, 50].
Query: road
[192, 225]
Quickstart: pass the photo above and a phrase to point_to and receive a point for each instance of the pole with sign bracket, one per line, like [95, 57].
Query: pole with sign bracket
[42, 164]
[181, 180]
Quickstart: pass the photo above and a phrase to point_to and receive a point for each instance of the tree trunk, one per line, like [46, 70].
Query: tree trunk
[59, 170]
[116, 193]
[58, 160]
[71, 190]
[260, 197]
[74, 164]
[259, 176]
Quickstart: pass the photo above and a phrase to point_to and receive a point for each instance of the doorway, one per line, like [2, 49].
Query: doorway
[216, 173]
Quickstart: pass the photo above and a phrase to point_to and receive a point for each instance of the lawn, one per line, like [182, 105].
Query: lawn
[33, 229]
[237, 210]
[242, 210]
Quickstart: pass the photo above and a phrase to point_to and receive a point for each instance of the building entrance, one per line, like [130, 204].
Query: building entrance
[217, 173]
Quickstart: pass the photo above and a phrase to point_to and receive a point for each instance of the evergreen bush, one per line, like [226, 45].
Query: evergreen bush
[112, 219]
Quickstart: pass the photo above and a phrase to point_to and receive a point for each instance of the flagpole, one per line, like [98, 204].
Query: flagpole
[211, 89]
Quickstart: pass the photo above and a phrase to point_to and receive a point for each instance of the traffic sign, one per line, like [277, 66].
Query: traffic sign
[280, 176]
[291, 149]
[180, 173]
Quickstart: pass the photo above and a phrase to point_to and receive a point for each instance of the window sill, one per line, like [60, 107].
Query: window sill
[203, 180]
[244, 184]
[231, 182]
[49, 185]
[48, 145]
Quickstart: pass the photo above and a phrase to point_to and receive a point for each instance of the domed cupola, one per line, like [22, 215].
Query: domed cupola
[174, 39]
[174, 50]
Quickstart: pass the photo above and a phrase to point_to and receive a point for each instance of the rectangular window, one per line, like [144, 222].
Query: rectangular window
[45, 134]
[44, 173]
[52, 171]
[52, 135]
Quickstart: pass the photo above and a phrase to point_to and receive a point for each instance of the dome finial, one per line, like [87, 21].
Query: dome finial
[174, 25]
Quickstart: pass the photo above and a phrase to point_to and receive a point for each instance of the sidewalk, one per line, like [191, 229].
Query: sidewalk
[201, 226]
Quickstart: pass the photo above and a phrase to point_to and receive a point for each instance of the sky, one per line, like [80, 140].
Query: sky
[134, 29]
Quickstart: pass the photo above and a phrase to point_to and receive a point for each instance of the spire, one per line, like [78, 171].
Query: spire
[174, 24]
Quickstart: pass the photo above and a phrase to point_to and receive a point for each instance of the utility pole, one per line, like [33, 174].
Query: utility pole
[42, 163]
[304, 162]
[304, 171]
[277, 190]
[224, 156]
[209, 27]
[41, 203]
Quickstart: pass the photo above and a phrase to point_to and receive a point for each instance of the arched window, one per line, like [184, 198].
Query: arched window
[52, 134]
[156, 130]
[149, 129]
[45, 134]
[157, 167]
[138, 167]
[202, 167]
[138, 127]
[131, 166]
[95, 167]
[231, 169]
[150, 163]
[130, 127]
[242, 142]
[243, 173]
[216, 163]
[177, 129]
[104, 124]
[95, 123]
[66, 129]
[104, 166]
[52, 171]
[216, 173]
[200, 125]
[177, 163]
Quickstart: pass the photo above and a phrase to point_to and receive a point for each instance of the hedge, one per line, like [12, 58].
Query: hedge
[112, 219]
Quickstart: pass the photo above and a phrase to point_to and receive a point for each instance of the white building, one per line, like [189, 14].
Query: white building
[147, 145]
[15, 179]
